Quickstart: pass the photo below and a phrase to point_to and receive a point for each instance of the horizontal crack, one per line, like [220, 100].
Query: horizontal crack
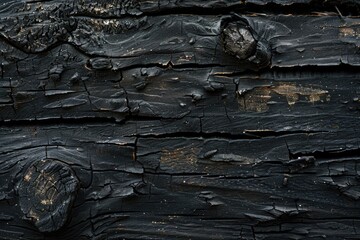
[225, 135]
[186, 134]
[346, 68]
[56, 121]
[333, 154]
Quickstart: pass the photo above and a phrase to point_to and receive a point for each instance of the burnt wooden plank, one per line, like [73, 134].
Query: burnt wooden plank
[179, 119]
[220, 101]
[198, 37]
[175, 185]
[118, 8]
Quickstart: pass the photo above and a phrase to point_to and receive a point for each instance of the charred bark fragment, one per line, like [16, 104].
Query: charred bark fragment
[179, 119]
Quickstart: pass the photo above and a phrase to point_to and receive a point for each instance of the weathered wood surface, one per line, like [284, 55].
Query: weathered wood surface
[150, 120]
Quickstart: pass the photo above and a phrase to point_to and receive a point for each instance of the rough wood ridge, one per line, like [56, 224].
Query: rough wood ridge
[179, 119]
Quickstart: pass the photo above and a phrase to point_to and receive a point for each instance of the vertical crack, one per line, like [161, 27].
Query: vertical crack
[126, 95]
[226, 112]
[87, 91]
[214, 54]
[135, 158]
[17, 67]
[288, 149]
[91, 173]
[2, 70]
[126, 100]
[11, 95]
[253, 232]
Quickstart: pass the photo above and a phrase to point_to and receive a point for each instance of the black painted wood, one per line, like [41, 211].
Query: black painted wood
[179, 119]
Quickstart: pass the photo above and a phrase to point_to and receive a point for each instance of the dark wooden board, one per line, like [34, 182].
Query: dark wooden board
[183, 183]
[142, 120]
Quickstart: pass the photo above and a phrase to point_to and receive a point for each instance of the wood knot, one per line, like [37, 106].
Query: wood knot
[238, 41]
[241, 41]
[46, 194]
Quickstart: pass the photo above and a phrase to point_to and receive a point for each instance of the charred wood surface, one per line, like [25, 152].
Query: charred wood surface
[179, 119]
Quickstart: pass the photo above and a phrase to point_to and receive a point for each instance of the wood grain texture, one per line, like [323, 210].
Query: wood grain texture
[179, 119]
